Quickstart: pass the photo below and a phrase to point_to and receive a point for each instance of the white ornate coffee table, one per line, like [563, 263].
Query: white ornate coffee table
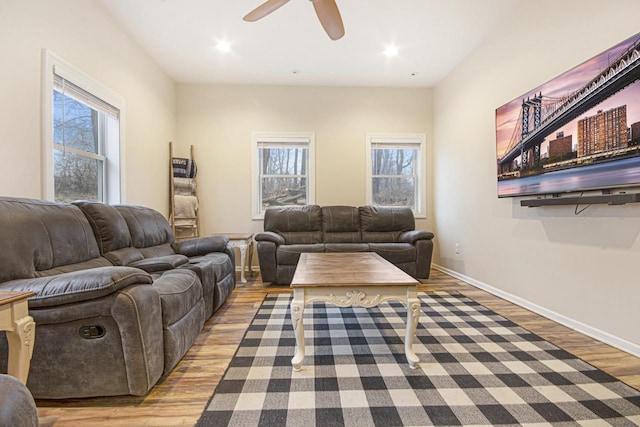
[349, 280]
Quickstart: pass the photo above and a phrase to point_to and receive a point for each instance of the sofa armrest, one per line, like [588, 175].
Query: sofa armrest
[201, 245]
[81, 285]
[160, 263]
[414, 235]
[270, 236]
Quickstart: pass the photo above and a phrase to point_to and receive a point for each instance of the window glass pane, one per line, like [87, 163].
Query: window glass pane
[393, 161]
[76, 177]
[283, 161]
[283, 192]
[75, 124]
[394, 191]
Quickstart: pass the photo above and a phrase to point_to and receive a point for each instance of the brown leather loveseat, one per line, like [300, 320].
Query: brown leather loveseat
[388, 231]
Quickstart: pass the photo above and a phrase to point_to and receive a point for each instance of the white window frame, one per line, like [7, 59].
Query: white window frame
[295, 139]
[401, 140]
[114, 180]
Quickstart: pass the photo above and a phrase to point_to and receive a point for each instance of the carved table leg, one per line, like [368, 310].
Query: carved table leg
[20, 341]
[243, 257]
[413, 316]
[297, 311]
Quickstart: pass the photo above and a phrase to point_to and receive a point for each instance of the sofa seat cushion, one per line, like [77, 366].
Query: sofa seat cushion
[289, 254]
[396, 253]
[156, 251]
[77, 286]
[161, 263]
[346, 247]
[69, 268]
[180, 290]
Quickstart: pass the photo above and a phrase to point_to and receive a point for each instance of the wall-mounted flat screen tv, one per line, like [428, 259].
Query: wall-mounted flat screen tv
[577, 132]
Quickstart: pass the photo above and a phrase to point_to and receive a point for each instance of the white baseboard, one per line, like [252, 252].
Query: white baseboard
[590, 331]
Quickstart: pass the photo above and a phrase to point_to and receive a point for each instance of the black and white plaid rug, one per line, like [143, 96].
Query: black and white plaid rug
[476, 368]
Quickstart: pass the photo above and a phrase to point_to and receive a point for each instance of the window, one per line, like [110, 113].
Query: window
[283, 170]
[82, 135]
[396, 171]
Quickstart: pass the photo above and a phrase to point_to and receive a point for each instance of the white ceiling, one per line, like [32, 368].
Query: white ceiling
[289, 46]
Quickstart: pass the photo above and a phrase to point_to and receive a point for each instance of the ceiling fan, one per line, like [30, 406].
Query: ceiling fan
[327, 12]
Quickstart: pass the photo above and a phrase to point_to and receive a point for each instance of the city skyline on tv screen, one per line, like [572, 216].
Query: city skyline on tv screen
[579, 131]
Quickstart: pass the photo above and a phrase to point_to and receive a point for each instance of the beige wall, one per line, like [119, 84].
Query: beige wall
[580, 269]
[81, 33]
[219, 120]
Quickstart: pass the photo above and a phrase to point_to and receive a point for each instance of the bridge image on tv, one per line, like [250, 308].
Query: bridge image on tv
[557, 137]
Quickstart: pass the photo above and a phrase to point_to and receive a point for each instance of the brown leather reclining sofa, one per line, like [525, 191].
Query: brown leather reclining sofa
[118, 302]
[388, 231]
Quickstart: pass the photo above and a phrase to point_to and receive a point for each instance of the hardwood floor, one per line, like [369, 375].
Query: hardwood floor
[178, 399]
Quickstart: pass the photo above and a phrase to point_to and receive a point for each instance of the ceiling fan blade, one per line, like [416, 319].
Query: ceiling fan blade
[330, 18]
[264, 9]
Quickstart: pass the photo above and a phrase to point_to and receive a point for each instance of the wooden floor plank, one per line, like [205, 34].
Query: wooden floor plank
[178, 399]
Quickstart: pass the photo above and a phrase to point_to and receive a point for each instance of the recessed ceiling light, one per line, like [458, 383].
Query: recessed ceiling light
[223, 46]
[391, 51]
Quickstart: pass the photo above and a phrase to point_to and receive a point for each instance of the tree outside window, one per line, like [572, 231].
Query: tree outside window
[283, 176]
[78, 162]
[394, 179]
[282, 170]
[396, 171]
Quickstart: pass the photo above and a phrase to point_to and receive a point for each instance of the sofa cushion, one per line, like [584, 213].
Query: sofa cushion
[39, 235]
[396, 253]
[109, 227]
[346, 247]
[160, 263]
[86, 265]
[147, 226]
[296, 224]
[289, 254]
[385, 224]
[124, 256]
[341, 224]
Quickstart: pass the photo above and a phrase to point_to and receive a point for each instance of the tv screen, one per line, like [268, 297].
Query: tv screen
[577, 132]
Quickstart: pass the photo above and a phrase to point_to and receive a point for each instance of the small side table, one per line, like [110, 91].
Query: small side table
[20, 329]
[244, 242]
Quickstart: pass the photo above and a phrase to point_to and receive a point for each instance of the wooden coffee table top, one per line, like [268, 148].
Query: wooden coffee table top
[347, 269]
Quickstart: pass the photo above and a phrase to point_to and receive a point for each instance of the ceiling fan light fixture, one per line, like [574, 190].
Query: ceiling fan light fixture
[391, 51]
[223, 46]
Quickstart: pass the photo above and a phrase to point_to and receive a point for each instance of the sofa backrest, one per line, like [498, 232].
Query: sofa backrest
[296, 224]
[150, 231]
[341, 224]
[109, 226]
[37, 236]
[384, 224]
